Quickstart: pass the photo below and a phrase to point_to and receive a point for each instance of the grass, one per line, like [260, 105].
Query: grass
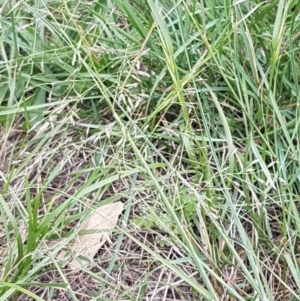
[186, 111]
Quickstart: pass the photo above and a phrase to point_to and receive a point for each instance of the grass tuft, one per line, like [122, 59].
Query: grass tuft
[188, 112]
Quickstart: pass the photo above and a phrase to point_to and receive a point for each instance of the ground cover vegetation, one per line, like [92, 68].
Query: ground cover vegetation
[186, 112]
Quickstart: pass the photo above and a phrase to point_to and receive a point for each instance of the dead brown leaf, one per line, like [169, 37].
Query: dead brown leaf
[100, 223]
